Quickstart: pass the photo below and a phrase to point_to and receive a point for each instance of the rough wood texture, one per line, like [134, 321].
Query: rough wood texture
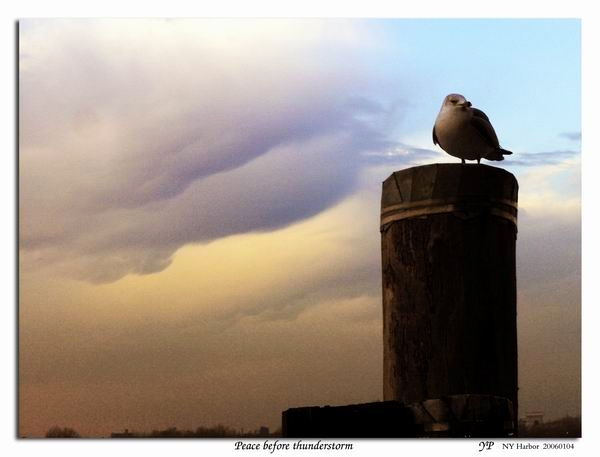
[449, 282]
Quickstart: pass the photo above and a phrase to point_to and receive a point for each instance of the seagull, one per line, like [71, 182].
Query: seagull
[466, 132]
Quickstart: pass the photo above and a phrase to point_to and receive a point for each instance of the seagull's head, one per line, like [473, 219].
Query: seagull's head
[457, 100]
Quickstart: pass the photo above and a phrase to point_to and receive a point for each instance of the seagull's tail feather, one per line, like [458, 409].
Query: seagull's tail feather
[498, 154]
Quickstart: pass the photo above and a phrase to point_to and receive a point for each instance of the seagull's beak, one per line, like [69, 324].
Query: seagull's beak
[466, 104]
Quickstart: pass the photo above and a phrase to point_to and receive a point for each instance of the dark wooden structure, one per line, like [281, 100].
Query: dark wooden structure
[457, 416]
[448, 234]
[388, 419]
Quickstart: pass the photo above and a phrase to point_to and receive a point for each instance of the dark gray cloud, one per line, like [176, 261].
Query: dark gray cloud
[574, 136]
[401, 155]
[535, 159]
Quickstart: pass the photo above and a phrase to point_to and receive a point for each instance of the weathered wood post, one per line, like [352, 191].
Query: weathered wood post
[448, 235]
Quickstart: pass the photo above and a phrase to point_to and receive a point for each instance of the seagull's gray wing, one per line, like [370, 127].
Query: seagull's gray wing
[482, 123]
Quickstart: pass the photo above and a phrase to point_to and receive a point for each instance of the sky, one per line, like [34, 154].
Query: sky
[199, 208]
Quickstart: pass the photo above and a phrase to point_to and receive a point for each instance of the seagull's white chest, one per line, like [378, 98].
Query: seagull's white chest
[457, 136]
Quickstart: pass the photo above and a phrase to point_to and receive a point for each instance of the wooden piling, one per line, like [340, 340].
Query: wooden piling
[448, 234]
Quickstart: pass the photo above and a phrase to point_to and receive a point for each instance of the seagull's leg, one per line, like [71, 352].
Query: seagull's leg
[463, 160]
[478, 160]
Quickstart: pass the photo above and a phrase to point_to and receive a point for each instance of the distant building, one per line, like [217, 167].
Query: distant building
[533, 418]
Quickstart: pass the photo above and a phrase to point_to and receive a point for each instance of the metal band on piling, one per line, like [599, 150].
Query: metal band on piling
[463, 207]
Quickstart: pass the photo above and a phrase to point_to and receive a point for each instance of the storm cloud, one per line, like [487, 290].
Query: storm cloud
[138, 137]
